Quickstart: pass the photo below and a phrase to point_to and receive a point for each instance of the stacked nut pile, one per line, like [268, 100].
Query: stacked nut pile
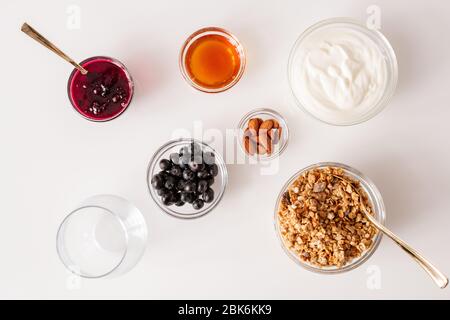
[260, 136]
[321, 218]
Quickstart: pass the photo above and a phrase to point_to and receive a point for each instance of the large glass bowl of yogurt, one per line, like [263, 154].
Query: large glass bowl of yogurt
[341, 72]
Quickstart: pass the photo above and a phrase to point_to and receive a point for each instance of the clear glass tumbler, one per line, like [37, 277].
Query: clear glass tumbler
[104, 237]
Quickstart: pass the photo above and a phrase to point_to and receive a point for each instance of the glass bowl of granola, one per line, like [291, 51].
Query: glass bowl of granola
[319, 219]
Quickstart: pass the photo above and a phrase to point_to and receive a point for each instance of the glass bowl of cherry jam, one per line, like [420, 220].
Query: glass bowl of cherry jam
[104, 93]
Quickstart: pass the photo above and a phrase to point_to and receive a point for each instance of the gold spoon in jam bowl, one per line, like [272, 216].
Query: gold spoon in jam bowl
[31, 32]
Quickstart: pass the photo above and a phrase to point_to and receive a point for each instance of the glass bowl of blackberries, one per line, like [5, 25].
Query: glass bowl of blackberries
[187, 178]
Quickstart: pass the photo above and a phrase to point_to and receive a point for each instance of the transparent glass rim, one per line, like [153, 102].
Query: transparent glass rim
[153, 165]
[211, 31]
[267, 112]
[66, 261]
[117, 63]
[381, 41]
[374, 196]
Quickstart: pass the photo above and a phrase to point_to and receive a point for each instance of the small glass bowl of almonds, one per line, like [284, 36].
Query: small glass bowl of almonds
[263, 134]
[319, 219]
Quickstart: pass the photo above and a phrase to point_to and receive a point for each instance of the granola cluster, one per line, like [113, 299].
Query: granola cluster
[321, 218]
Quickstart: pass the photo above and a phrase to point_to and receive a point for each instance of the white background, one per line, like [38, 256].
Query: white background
[52, 159]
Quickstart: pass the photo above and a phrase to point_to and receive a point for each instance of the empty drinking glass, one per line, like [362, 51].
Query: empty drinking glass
[104, 237]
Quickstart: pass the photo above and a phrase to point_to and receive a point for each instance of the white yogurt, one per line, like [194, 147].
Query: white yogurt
[338, 73]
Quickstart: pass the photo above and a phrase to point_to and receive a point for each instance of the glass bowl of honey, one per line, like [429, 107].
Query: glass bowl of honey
[212, 60]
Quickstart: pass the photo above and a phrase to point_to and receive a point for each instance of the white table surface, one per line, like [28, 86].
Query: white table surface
[52, 159]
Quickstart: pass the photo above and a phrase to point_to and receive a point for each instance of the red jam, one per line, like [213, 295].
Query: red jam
[104, 92]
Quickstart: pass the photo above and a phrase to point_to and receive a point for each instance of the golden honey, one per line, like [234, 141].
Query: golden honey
[212, 61]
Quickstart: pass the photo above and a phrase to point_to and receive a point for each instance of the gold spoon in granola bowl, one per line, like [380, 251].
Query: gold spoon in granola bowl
[438, 277]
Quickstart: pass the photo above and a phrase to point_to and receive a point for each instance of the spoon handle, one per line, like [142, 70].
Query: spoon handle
[438, 277]
[27, 29]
